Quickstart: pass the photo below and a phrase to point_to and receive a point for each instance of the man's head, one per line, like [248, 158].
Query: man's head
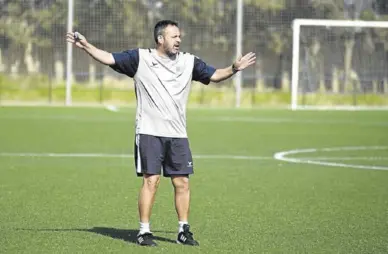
[167, 37]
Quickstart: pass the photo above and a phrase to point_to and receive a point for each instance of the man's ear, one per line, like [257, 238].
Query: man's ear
[160, 38]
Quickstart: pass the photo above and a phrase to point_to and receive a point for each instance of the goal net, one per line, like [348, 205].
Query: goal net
[339, 64]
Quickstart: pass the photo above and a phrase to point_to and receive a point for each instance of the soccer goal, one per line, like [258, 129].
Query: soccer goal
[339, 64]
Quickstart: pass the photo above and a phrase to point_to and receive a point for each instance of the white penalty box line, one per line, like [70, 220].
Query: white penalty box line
[281, 156]
[126, 156]
[220, 156]
[284, 156]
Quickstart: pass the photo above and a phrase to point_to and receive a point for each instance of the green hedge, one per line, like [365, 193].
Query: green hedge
[39, 88]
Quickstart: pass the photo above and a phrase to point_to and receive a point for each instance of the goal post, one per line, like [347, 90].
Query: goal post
[337, 65]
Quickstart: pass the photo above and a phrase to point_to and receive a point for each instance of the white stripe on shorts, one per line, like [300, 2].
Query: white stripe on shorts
[138, 159]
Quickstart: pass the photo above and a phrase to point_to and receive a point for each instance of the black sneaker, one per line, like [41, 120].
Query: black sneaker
[146, 239]
[186, 237]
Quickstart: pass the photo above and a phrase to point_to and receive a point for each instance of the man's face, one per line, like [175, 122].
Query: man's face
[171, 40]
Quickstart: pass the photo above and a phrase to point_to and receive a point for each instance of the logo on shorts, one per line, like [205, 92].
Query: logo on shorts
[190, 164]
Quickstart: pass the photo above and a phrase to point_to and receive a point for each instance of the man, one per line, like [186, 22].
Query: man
[162, 83]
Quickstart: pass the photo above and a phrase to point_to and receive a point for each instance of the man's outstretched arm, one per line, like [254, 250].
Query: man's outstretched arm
[100, 55]
[240, 64]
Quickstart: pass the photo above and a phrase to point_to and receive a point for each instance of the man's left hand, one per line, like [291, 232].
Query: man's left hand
[243, 62]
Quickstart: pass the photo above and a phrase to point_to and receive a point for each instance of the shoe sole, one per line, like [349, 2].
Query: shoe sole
[178, 242]
[155, 245]
[147, 245]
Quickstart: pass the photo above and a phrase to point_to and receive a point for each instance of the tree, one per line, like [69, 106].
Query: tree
[380, 7]
[22, 25]
[269, 26]
[346, 9]
[377, 41]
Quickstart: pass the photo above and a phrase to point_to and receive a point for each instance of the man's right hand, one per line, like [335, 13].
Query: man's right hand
[80, 41]
[76, 38]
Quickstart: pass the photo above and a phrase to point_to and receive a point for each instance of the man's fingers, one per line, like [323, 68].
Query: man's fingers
[251, 63]
[249, 55]
[74, 36]
[247, 60]
[253, 59]
[70, 35]
[70, 38]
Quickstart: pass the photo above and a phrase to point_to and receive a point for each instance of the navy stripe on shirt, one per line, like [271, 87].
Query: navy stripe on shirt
[202, 72]
[126, 62]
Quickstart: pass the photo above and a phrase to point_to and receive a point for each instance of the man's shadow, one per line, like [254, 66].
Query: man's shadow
[128, 235]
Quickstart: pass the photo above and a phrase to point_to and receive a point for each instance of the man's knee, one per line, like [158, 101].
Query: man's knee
[181, 183]
[151, 182]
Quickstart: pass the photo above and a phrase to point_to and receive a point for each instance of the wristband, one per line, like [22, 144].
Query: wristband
[234, 69]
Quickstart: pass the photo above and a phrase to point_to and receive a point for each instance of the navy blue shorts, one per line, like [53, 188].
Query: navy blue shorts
[154, 154]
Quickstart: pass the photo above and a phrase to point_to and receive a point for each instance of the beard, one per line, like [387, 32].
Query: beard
[169, 52]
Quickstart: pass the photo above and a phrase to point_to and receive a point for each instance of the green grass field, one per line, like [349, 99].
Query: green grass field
[67, 182]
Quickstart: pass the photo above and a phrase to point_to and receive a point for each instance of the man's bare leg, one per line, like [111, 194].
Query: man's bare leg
[182, 206]
[146, 200]
[182, 197]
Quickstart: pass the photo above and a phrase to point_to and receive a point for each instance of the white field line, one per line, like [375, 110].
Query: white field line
[283, 156]
[354, 158]
[129, 156]
[219, 156]
[130, 118]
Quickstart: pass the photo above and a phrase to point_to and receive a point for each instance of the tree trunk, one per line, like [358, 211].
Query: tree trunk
[2, 65]
[92, 72]
[349, 44]
[59, 68]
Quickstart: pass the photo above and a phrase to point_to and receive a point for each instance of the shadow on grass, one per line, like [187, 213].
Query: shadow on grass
[128, 235]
